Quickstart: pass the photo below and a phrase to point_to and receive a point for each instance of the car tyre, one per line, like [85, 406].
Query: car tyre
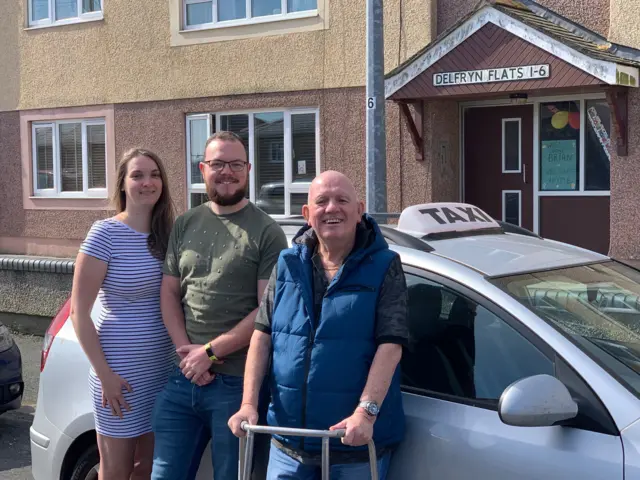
[86, 467]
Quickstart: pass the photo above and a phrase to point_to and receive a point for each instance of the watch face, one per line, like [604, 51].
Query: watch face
[372, 408]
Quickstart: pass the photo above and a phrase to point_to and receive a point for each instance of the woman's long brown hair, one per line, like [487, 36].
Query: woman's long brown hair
[162, 215]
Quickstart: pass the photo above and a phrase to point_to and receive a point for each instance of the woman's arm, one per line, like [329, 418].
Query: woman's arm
[87, 280]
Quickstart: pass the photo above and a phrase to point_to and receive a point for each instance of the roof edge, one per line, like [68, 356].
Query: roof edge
[621, 51]
[606, 71]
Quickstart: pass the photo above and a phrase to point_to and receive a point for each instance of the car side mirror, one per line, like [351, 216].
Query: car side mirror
[536, 401]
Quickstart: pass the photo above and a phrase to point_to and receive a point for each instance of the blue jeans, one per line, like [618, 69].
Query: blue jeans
[283, 467]
[186, 417]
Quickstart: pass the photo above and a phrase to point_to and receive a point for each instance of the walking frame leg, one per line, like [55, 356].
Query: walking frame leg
[248, 456]
[243, 446]
[373, 460]
[326, 468]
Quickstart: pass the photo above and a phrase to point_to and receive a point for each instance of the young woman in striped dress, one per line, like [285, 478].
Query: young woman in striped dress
[130, 351]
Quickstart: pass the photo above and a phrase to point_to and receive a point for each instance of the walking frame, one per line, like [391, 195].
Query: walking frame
[246, 447]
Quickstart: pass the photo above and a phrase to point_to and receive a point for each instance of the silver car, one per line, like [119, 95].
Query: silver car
[524, 353]
[522, 364]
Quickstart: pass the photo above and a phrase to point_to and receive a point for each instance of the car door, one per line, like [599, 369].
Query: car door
[463, 352]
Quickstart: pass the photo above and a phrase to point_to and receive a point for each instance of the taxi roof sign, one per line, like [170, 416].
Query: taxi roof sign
[437, 218]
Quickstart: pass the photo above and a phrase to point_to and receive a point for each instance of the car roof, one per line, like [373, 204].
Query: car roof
[490, 248]
[508, 253]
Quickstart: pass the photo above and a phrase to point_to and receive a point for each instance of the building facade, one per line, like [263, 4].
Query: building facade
[523, 108]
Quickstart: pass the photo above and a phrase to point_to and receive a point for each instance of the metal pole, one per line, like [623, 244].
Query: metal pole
[375, 106]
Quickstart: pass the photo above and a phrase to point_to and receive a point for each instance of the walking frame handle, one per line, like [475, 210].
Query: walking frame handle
[246, 447]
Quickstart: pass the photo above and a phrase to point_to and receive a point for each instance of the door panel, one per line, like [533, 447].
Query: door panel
[498, 161]
[462, 353]
[460, 442]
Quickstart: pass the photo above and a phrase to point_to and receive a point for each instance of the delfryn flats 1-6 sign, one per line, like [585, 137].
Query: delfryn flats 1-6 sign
[488, 75]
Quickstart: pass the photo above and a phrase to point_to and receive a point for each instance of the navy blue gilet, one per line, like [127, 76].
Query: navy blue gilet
[321, 360]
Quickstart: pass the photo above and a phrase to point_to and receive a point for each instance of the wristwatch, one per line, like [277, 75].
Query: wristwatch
[210, 353]
[370, 407]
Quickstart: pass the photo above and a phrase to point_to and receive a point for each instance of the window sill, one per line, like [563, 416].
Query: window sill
[71, 196]
[571, 193]
[250, 21]
[70, 21]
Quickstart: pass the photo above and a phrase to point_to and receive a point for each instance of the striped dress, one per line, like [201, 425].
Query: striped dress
[134, 340]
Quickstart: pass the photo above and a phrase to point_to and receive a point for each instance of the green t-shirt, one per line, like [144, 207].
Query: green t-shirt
[219, 259]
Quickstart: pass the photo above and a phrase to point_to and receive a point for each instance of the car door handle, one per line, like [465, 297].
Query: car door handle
[524, 173]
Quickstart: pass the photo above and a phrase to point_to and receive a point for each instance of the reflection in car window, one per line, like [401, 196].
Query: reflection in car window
[597, 306]
[458, 347]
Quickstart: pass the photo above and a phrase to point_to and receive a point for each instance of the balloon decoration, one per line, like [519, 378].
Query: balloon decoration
[561, 119]
[574, 120]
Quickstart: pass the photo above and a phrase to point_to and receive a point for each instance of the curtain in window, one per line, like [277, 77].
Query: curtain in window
[70, 138]
[66, 9]
[39, 10]
[231, 9]
[44, 158]
[96, 156]
[91, 6]
[301, 5]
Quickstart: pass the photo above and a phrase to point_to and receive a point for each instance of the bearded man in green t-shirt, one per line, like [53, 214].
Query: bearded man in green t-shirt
[219, 259]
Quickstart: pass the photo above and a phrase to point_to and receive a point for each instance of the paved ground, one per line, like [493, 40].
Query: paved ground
[15, 453]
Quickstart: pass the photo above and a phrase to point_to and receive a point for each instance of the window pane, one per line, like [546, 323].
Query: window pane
[260, 8]
[39, 9]
[71, 157]
[198, 199]
[269, 161]
[231, 9]
[301, 5]
[66, 9]
[91, 6]
[44, 158]
[199, 13]
[297, 201]
[238, 124]
[511, 141]
[303, 127]
[96, 156]
[512, 208]
[597, 159]
[467, 352]
[560, 146]
[199, 135]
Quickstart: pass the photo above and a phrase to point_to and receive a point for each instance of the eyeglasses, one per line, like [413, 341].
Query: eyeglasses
[218, 165]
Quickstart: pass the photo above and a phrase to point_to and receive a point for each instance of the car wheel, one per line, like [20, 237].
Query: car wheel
[87, 465]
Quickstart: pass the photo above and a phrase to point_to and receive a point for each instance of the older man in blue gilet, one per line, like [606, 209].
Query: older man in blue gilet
[330, 329]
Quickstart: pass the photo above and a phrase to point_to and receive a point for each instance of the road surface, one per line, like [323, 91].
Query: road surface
[15, 453]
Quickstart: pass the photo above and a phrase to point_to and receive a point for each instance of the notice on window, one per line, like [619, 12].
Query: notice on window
[558, 165]
[302, 167]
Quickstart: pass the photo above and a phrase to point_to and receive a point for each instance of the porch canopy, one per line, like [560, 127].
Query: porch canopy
[511, 48]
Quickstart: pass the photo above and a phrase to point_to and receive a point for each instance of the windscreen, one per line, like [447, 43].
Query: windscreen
[596, 305]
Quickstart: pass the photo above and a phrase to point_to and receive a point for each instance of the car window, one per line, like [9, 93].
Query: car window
[458, 347]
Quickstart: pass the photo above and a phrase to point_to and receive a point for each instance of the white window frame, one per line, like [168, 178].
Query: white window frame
[248, 20]
[504, 205]
[504, 149]
[289, 185]
[55, 192]
[51, 21]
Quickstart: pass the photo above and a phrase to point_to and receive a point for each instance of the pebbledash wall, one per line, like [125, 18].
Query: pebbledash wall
[143, 86]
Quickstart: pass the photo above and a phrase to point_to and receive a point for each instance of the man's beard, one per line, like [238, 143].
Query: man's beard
[226, 200]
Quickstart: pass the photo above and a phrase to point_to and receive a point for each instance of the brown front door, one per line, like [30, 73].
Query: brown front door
[498, 162]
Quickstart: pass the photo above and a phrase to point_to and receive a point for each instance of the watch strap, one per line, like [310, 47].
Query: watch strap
[210, 354]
